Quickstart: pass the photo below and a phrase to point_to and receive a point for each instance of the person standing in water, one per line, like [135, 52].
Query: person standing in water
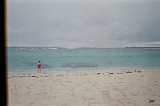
[39, 65]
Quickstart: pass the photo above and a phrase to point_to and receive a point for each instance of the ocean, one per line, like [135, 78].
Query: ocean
[25, 59]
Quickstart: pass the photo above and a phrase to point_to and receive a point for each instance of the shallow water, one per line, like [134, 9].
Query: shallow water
[22, 59]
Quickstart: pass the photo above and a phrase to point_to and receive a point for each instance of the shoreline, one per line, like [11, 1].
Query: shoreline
[76, 88]
[76, 70]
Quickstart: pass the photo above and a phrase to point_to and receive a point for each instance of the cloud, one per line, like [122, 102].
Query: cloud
[117, 23]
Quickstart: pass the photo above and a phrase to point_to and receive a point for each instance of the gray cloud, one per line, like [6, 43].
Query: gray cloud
[89, 23]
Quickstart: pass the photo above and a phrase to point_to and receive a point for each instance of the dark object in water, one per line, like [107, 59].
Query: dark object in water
[151, 101]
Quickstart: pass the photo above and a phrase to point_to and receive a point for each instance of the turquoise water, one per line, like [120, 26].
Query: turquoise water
[21, 59]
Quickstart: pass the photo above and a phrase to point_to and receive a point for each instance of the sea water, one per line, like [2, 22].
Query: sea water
[24, 59]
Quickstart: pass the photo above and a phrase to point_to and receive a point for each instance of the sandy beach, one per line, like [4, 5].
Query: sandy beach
[85, 88]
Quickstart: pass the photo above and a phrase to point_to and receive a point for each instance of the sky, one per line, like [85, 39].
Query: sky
[83, 23]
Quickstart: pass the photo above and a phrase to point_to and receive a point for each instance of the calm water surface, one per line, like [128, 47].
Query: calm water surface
[22, 59]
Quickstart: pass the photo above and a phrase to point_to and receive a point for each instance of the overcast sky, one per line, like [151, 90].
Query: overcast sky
[83, 23]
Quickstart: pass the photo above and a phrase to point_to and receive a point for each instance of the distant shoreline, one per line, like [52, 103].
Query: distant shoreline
[142, 47]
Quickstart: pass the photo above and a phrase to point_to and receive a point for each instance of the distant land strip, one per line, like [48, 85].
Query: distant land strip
[142, 47]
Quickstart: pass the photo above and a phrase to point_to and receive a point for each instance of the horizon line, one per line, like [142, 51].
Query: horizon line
[85, 47]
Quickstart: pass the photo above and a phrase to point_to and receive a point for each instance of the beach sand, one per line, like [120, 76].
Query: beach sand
[85, 88]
